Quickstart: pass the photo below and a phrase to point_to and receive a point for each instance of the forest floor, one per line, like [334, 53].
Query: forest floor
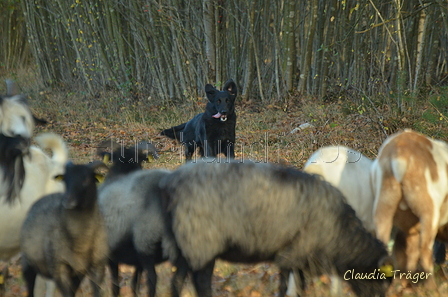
[284, 132]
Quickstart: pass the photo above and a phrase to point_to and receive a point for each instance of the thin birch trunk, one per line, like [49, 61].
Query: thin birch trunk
[421, 33]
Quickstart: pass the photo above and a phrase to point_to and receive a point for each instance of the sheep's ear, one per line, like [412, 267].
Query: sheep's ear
[386, 266]
[98, 165]
[105, 146]
[106, 157]
[59, 177]
[152, 156]
[150, 148]
[99, 178]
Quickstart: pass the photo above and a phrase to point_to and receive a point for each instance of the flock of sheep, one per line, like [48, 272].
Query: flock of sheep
[335, 217]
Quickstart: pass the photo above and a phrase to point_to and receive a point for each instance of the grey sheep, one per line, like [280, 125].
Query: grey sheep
[130, 204]
[63, 237]
[249, 212]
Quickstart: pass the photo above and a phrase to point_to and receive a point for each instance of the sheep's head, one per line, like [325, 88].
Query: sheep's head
[80, 182]
[125, 160]
[16, 118]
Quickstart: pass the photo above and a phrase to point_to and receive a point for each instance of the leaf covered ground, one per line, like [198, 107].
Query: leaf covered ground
[265, 132]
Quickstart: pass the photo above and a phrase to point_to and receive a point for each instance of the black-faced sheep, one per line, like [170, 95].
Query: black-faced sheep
[130, 202]
[248, 212]
[63, 237]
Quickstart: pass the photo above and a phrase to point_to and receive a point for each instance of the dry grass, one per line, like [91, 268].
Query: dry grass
[263, 134]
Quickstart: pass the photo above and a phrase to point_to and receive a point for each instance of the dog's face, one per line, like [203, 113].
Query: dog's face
[222, 101]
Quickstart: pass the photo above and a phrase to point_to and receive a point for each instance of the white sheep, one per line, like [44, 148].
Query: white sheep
[349, 171]
[40, 173]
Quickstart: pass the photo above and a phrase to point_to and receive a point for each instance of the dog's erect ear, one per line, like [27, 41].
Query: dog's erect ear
[210, 91]
[230, 87]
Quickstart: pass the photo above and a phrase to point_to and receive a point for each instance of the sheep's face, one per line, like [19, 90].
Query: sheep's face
[16, 118]
[80, 183]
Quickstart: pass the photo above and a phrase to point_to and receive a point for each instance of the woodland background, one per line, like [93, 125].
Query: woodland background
[351, 71]
[170, 49]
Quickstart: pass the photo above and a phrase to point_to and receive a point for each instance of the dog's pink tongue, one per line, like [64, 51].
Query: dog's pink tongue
[217, 116]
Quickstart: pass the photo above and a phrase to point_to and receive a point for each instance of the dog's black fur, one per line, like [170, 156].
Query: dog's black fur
[212, 131]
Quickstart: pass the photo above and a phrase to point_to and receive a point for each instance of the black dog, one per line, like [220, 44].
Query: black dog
[212, 131]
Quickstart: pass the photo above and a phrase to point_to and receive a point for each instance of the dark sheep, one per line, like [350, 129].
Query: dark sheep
[63, 237]
[248, 212]
[130, 203]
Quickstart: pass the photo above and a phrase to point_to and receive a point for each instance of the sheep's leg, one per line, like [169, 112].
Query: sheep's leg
[386, 204]
[66, 289]
[427, 238]
[44, 287]
[177, 282]
[136, 279]
[66, 282]
[284, 275]
[289, 278]
[96, 278]
[295, 278]
[429, 223]
[427, 242]
[29, 274]
[412, 249]
[412, 252]
[39, 287]
[149, 265]
[399, 251]
[50, 288]
[113, 266]
[439, 252]
[202, 280]
[300, 279]
[428, 232]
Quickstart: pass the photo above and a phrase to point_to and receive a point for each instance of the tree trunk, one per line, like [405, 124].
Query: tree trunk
[421, 33]
[309, 48]
[209, 34]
